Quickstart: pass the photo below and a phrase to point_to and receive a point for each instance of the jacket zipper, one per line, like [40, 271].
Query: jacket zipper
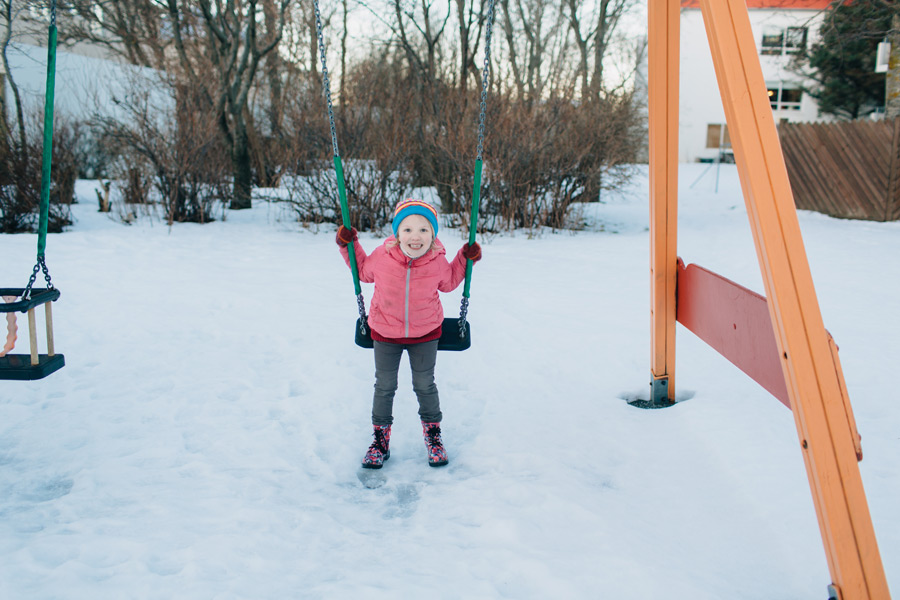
[406, 300]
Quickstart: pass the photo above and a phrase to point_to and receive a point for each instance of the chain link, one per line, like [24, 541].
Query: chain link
[485, 74]
[326, 83]
[40, 266]
[463, 311]
[53, 13]
[363, 320]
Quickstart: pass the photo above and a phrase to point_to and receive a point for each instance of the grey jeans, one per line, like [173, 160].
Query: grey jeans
[422, 358]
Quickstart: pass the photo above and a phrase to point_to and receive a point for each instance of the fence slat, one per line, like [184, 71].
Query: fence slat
[848, 169]
[892, 197]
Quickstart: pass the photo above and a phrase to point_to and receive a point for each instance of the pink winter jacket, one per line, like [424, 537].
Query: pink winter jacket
[405, 303]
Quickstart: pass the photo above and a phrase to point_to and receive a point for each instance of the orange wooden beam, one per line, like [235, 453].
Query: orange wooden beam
[810, 368]
[663, 28]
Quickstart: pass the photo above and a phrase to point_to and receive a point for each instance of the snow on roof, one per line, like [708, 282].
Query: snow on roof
[784, 4]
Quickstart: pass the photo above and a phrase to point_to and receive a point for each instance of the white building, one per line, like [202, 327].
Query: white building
[89, 80]
[780, 28]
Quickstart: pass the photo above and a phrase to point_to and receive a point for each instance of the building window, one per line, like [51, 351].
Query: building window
[784, 97]
[777, 40]
[717, 136]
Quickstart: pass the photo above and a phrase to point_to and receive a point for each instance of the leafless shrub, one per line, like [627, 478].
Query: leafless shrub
[91, 155]
[133, 193]
[177, 150]
[20, 181]
[540, 159]
[371, 192]
[64, 162]
[377, 173]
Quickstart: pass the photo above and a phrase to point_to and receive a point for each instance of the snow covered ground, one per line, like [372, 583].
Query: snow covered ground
[204, 437]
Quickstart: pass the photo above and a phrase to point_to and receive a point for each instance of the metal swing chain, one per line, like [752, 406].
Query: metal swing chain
[463, 311]
[326, 83]
[40, 266]
[485, 74]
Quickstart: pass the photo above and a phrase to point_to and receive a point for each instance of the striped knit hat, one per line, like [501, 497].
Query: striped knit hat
[415, 207]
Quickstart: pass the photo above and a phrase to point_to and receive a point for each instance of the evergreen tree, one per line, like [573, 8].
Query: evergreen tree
[842, 62]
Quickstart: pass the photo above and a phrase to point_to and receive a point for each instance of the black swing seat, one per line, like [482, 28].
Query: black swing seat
[450, 338]
[18, 367]
[38, 297]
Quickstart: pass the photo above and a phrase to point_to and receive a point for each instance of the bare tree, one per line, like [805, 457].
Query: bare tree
[9, 15]
[534, 31]
[419, 31]
[237, 47]
[593, 25]
[172, 148]
[471, 19]
[21, 149]
[215, 46]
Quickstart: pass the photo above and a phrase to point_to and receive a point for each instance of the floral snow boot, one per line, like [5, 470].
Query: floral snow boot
[379, 451]
[437, 455]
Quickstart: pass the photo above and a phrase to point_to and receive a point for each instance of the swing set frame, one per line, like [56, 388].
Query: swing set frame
[779, 340]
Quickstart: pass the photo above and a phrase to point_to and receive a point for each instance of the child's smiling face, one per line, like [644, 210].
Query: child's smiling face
[415, 236]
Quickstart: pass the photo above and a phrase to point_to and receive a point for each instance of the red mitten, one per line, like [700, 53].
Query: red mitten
[346, 236]
[472, 252]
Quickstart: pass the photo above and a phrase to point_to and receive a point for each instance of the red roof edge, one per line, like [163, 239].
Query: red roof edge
[773, 4]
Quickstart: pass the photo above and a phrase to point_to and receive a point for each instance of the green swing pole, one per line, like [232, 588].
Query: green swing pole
[48, 135]
[473, 224]
[345, 219]
[46, 160]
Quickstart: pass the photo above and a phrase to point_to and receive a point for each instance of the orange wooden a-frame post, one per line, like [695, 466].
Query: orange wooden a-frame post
[779, 340]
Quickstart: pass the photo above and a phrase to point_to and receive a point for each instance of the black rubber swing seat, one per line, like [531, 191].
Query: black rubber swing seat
[18, 367]
[38, 297]
[450, 338]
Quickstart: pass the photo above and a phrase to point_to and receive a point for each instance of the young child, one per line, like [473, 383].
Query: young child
[408, 269]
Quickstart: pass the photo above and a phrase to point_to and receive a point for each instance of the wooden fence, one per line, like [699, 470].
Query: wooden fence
[847, 169]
